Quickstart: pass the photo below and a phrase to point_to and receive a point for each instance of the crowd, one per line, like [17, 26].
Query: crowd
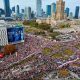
[41, 65]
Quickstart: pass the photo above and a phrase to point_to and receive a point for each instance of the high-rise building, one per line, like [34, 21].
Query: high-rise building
[29, 13]
[17, 9]
[22, 10]
[7, 8]
[48, 11]
[67, 11]
[13, 9]
[60, 10]
[71, 15]
[38, 8]
[32, 15]
[53, 8]
[77, 12]
[2, 11]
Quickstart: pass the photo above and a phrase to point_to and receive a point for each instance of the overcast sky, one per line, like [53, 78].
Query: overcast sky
[32, 3]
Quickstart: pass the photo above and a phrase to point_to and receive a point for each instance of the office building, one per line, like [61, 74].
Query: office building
[53, 8]
[10, 34]
[60, 10]
[7, 8]
[13, 9]
[17, 9]
[71, 15]
[67, 11]
[48, 11]
[2, 12]
[22, 10]
[77, 12]
[29, 13]
[38, 8]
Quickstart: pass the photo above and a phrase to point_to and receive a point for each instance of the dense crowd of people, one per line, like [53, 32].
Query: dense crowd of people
[41, 65]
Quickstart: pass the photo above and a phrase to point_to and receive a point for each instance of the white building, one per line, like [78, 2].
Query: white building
[10, 34]
[3, 34]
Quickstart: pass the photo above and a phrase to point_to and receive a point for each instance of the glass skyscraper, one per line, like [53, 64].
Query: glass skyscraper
[38, 8]
[7, 8]
[13, 8]
[77, 12]
[53, 8]
[29, 13]
[48, 12]
[67, 11]
[18, 9]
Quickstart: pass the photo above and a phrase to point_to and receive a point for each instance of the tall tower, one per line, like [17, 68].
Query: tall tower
[77, 12]
[60, 10]
[7, 8]
[38, 8]
[29, 13]
[48, 12]
[67, 11]
[53, 8]
[18, 9]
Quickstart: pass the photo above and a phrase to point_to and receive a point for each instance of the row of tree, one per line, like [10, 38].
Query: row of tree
[33, 23]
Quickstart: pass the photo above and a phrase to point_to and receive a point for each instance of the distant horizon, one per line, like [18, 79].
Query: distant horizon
[32, 3]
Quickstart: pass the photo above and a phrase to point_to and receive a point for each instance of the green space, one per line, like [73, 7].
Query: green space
[40, 29]
[68, 52]
[57, 55]
[47, 51]
[64, 25]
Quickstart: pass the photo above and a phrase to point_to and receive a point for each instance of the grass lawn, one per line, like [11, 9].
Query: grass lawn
[47, 51]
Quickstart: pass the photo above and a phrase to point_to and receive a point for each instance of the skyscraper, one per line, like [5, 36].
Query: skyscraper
[18, 10]
[71, 15]
[60, 10]
[67, 11]
[13, 9]
[48, 11]
[53, 8]
[77, 12]
[29, 13]
[22, 10]
[7, 8]
[38, 8]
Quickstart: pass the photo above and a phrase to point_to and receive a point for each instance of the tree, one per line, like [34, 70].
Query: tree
[9, 49]
[54, 34]
[25, 22]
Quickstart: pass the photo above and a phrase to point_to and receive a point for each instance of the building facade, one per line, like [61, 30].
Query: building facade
[7, 8]
[13, 9]
[53, 8]
[77, 12]
[10, 34]
[48, 11]
[17, 9]
[38, 8]
[67, 11]
[60, 10]
[3, 36]
[71, 15]
[29, 13]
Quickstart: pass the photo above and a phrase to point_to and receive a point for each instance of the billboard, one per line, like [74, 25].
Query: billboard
[15, 34]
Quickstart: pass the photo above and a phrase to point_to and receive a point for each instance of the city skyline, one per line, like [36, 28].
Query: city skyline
[32, 3]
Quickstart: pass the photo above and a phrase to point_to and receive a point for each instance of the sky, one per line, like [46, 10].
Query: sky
[32, 3]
